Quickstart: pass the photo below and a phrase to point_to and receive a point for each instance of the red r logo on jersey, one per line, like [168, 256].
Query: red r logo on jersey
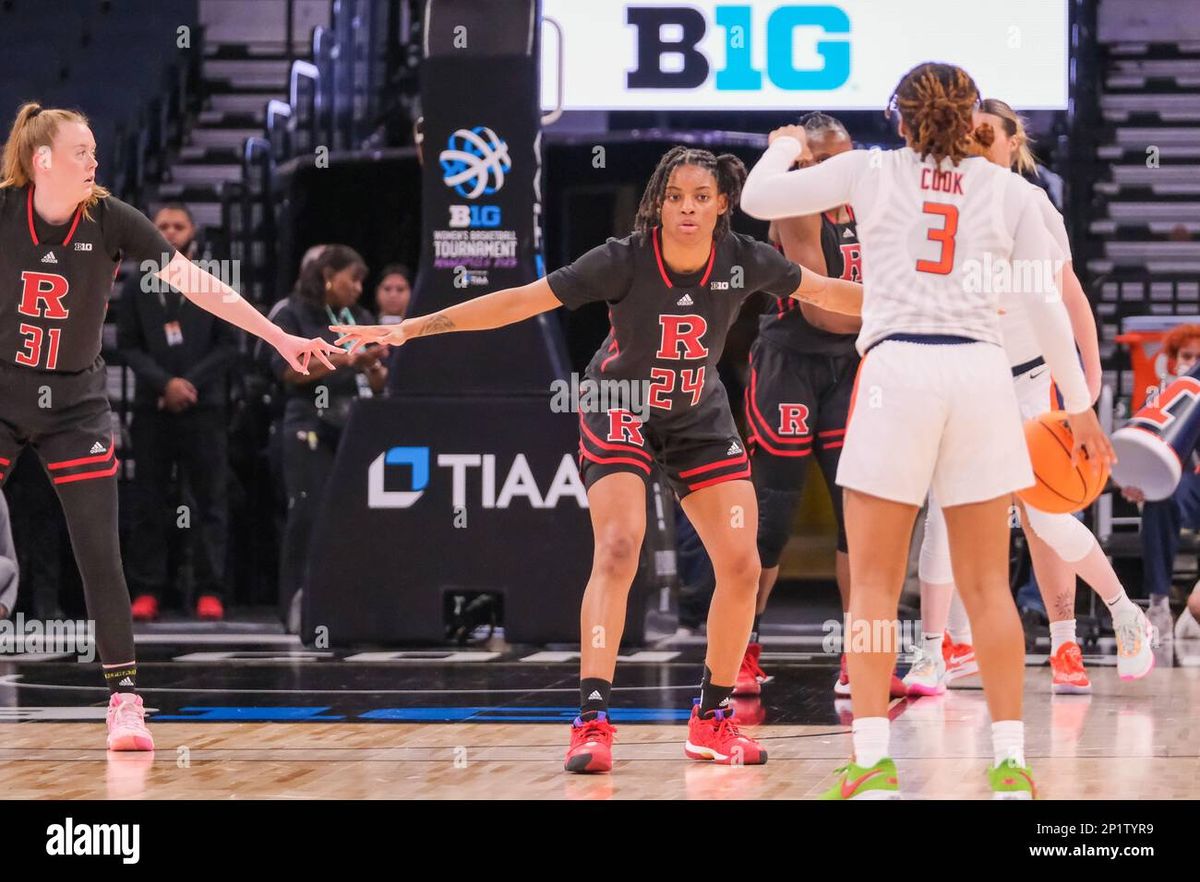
[852, 262]
[681, 329]
[625, 427]
[46, 287]
[793, 419]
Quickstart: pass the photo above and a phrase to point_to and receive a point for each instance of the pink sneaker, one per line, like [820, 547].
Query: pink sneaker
[127, 724]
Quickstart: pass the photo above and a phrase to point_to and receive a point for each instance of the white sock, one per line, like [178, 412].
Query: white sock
[1122, 605]
[931, 644]
[1008, 741]
[870, 740]
[1060, 633]
[958, 624]
[1163, 600]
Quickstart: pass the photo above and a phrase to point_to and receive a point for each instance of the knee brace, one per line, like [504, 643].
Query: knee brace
[1065, 534]
[934, 564]
[775, 510]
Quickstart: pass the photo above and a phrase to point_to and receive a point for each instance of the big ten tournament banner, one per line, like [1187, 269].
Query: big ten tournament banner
[481, 225]
[422, 507]
[779, 55]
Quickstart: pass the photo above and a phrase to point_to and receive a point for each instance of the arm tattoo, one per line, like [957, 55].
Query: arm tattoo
[436, 324]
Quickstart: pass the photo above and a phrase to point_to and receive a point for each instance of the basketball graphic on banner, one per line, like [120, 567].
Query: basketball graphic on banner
[475, 162]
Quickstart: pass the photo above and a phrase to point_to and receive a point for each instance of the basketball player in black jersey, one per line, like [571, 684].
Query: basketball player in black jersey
[62, 237]
[673, 287]
[802, 369]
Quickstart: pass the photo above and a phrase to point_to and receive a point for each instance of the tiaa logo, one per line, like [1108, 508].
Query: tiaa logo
[669, 55]
[475, 162]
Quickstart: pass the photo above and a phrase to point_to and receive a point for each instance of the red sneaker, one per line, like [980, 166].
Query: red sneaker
[841, 686]
[1069, 675]
[591, 745]
[716, 738]
[959, 658]
[209, 606]
[896, 687]
[750, 676]
[144, 608]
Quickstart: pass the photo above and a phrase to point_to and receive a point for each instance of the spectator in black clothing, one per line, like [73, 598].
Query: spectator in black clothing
[393, 293]
[181, 356]
[318, 403]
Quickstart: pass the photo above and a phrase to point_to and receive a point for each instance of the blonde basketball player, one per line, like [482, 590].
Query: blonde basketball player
[934, 406]
[1060, 546]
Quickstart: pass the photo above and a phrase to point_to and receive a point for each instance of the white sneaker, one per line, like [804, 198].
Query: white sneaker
[1159, 615]
[127, 723]
[1186, 626]
[927, 676]
[1135, 637]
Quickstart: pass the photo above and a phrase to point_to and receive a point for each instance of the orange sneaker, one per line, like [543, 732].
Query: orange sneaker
[1070, 677]
[144, 608]
[960, 659]
[591, 745]
[750, 676]
[716, 738]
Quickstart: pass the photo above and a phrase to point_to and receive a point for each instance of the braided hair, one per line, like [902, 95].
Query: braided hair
[936, 102]
[729, 171]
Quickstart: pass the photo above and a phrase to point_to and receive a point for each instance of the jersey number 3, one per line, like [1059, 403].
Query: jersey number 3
[945, 236]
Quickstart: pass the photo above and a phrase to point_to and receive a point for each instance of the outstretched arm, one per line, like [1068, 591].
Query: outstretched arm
[495, 310]
[831, 295]
[211, 294]
[801, 241]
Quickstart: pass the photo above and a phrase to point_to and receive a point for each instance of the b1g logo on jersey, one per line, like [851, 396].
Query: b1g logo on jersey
[43, 288]
[669, 54]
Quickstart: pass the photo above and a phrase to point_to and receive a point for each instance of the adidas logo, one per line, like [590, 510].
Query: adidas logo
[685, 300]
[126, 682]
[595, 696]
[49, 258]
[846, 234]
[733, 449]
[97, 448]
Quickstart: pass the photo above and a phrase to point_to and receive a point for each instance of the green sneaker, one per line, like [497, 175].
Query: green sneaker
[866, 782]
[1012, 781]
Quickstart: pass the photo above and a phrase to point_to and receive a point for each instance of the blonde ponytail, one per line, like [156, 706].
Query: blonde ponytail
[1014, 126]
[35, 127]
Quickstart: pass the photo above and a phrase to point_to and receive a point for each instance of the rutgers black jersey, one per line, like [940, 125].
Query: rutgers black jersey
[55, 280]
[669, 329]
[783, 323]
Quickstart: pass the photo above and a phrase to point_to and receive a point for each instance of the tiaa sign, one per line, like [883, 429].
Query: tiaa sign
[670, 56]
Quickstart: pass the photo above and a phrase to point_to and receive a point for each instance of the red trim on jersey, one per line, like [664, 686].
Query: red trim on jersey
[29, 217]
[86, 460]
[4, 461]
[87, 476]
[613, 460]
[615, 350]
[662, 269]
[833, 446]
[745, 473]
[604, 445]
[850, 211]
[714, 465]
[832, 432]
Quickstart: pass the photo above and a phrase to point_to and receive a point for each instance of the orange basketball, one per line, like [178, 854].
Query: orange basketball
[1062, 486]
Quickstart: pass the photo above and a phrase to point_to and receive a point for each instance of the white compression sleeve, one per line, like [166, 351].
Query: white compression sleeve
[771, 191]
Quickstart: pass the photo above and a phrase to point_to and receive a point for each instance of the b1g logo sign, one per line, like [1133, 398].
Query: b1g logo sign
[669, 55]
[410, 467]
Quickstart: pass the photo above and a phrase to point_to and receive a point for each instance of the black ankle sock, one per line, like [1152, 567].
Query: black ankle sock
[122, 679]
[754, 628]
[713, 697]
[593, 697]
